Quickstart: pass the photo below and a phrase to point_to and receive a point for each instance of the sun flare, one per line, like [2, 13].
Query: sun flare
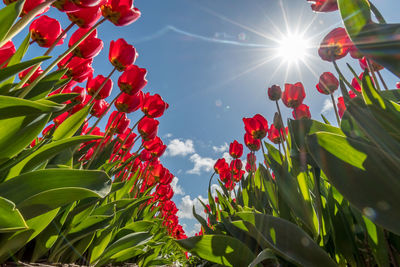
[293, 48]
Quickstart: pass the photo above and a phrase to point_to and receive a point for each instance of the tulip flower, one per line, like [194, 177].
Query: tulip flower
[121, 54]
[398, 85]
[6, 52]
[28, 6]
[251, 162]
[340, 104]
[145, 156]
[274, 134]
[36, 74]
[274, 92]
[132, 80]
[87, 3]
[235, 149]
[99, 107]
[327, 83]
[354, 52]
[251, 143]
[79, 69]
[220, 165]
[257, 126]
[120, 12]
[85, 17]
[93, 85]
[148, 128]
[154, 106]
[293, 95]
[300, 112]
[45, 31]
[117, 122]
[65, 6]
[225, 175]
[81, 105]
[335, 45]
[82, 94]
[364, 65]
[88, 48]
[323, 5]
[127, 138]
[61, 118]
[129, 103]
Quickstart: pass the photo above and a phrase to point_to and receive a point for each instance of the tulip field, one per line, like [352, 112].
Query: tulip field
[82, 182]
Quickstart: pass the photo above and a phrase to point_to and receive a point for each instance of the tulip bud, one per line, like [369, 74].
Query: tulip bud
[274, 92]
[327, 83]
[277, 121]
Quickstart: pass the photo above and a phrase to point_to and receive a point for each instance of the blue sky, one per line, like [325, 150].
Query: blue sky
[205, 58]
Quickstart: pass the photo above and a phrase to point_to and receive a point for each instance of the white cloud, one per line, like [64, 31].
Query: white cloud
[168, 135]
[177, 147]
[178, 190]
[327, 106]
[201, 164]
[227, 157]
[221, 149]
[194, 229]
[186, 206]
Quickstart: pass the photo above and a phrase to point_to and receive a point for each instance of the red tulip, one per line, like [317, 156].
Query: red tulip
[132, 80]
[99, 107]
[85, 17]
[327, 83]
[117, 122]
[225, 174]
[220, 165]
[153, 143]
[340, 103]
[93, 85]
[154, 106]
[120, 12]
[257, 126]
[88, 48]
[128, 137]
[251, 162]
[302, 111]
[354, 52]
[235, 149]
[81, 105]
[65, 6]
[374, 65]
[148, 128]
[398, 85]
[293, 95]
[47, 129]
[87, 3]
[129, 103]
[45, 30]
[274, 136]
[79, 69]
[6, 52]
[36, 74]
[82, 94]
[61, 118]
[324, 5]
[121, 54]
[236, 166]
[274, 92]
[28, 6]
[251, 143]
[167, 177]
[335, 45]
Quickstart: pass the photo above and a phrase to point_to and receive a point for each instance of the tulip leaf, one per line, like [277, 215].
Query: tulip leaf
[8, 15]
[16, 68]
[355, 14]
[220, 249]
[47, 85]
[353, 167]
[266, 254]
[11, 219]
[61, 98]
[286, 239]
[37, 192]
[14, 107]
[69, 127]
[47, 152]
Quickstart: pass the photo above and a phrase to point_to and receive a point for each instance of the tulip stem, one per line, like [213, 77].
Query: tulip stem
[63, 33]
[61, 57]
[102, 85]
[382, 80]
[377, 13]
[371, 69]
[341, 76]
[123, 143]
[280, 117]
[335, 108]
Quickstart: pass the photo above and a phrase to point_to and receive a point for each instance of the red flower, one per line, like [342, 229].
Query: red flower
[128, 137]
[327, 83]
[324, 5]
[88, 48]
[236, 166]
[235, 149]
[129, 103]
[251, 162]
[99, 107]
[340, 103]
[132, 80]
[398, 85]
[45, 30]
[85, 17]
[82, 94]
[36, 74]
[6, 52]
[274, 136]
[274, 92]
[251, 143]
[93, 85]
[374, 65]
[354, 52]
[220, 165]
[154, 106]
[81, 105]
[65, 5]
[120, 12]
[257, 126]
[117, 122]
[148, 128]
[121, 54]
[302, 111]
[87, 3]
[79, 69]
[335, 45]
[293, 95]
[61, 118]
[28, 6]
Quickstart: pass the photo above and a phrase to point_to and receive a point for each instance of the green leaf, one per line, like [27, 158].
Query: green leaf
[8, 15]
[355, 14]
[353, 168]
[69, 127]
[46, 85]
[266, 254]
[61, 98]
[16, 68]
[11, 219]
[220, 249]
[287, 240]
[37, 192]
[14, 107]
[47, 152]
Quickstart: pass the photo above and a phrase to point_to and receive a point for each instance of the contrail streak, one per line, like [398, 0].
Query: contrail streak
[170, 28]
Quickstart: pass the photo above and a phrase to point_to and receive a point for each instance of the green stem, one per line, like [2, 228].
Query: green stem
[61, 57]
[371, 69]
[335, 108]
[377, 13]
[382, 80]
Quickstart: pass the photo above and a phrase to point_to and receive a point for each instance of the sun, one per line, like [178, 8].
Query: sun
[293, 48]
